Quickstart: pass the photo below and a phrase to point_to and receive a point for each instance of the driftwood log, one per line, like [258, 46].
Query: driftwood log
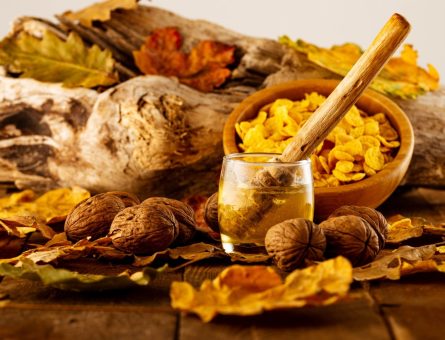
[151, 135]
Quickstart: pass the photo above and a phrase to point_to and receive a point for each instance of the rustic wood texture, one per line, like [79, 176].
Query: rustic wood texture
[411, 308]
[150, 135]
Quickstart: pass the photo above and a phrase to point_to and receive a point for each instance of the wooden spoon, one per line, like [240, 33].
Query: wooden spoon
[326, 117]
[329, 114]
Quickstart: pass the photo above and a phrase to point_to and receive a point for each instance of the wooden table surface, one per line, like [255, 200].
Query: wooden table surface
[412, 308]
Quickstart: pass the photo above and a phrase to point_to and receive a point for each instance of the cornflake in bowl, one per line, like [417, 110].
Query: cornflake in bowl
[361, 162]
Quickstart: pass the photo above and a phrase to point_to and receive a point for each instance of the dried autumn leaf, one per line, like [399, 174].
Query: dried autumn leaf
[70, 280]
[250, 290]
[21, 226]
[403, 261]
[13, 236]
[100, 11]
[204, 68]
[51, 207]
[248, 258]
[51, 59]
[190, 253]
[402, 228]
[99, 249]
[401, 77]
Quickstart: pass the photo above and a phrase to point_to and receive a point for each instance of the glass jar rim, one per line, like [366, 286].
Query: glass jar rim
[233, 157]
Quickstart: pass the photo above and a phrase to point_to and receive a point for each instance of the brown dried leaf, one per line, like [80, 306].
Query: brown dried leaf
[403, 261]
[14, 233]
[248, 258]
[204, 68]
[190, 253]
[100, 11]
[250, 290]
[101, 249]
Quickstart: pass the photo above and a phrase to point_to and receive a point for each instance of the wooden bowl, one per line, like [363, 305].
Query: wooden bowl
[371, 191]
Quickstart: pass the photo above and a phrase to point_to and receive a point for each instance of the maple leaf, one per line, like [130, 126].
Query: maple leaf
[401, 77]
[51, 59]
[100, 11]
[204, 68]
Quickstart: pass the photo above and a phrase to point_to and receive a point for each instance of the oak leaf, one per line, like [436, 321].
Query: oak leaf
[204, 68]
[51, 59]
[100, 11]
[401, 77]
[250, 290]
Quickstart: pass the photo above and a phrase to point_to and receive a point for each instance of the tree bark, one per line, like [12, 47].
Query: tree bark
[151, 135]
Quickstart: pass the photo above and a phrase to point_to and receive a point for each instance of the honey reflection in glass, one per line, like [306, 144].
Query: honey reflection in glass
[246, 210]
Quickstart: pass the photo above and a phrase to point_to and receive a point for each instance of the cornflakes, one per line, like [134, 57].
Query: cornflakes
[358, 147]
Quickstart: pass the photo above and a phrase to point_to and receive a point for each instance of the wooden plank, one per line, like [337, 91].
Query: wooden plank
[351, 320]
[414, 307]
[34, 293]
[85, 324]
[35, 311]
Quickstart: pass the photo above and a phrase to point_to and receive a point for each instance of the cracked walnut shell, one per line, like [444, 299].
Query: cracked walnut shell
[375, 219]
[183, 213]
[144, 229]
[92, 217]
[293, 241]
[352, 237]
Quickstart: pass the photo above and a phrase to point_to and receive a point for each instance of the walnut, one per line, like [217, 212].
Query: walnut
[92, 217]
[293, 241]
[375, 219]
[129, 199]
[211, 212]
[183, 213]
[352, 237]
[144, 229]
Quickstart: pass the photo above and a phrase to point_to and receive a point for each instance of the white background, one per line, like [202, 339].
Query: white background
[323, 22]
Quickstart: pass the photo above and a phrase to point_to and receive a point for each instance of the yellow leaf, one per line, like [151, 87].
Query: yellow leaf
[242, 290]
[51, 207]
[51, 59]
[100, 11]
[401, 77]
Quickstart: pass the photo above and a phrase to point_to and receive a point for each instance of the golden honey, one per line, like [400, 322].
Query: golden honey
[246, 211]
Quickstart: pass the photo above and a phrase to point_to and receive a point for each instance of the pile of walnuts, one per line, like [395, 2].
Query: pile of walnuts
[133, 226]
[357, 233]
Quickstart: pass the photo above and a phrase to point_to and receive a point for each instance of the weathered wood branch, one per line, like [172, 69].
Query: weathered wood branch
[151, 135]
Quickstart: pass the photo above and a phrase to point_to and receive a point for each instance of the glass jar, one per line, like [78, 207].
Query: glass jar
[248, 207]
